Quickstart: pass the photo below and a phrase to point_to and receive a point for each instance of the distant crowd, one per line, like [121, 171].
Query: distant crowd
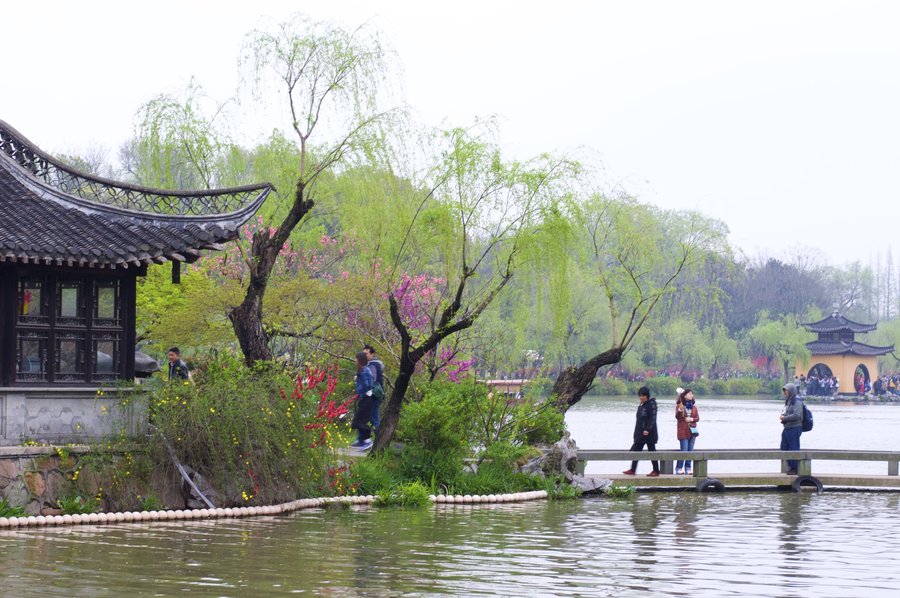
[827, 386]
[816, 386]
[888, 384]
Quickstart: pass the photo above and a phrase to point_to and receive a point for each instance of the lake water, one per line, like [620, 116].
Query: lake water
[653, 544]
[733, 422]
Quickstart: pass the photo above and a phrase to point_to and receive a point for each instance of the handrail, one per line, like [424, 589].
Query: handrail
[804, 457]
[739, 455]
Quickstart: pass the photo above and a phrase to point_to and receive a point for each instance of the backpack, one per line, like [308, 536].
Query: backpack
[377, 389]
[807, 424]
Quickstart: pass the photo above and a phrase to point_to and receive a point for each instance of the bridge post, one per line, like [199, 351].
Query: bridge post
[701, 468]
[893, 467]
[804, 467]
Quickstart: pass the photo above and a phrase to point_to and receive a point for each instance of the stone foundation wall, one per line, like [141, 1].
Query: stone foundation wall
[36, 477]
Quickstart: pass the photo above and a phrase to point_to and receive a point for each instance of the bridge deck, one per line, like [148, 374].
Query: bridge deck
[701, 460]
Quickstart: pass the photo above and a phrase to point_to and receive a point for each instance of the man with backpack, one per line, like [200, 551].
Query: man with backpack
[377, 367]
[792, 420]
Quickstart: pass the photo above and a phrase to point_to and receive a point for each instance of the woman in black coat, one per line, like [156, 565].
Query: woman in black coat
[645, 431]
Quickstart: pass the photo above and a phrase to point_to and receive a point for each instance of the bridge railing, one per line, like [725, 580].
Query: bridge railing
[701, 458]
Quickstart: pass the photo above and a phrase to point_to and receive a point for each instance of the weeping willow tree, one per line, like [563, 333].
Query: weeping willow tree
[330, 80]
[475, 213]
[781, 340]
[634, 253]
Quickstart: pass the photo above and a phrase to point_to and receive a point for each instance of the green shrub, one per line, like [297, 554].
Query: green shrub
[75, 504]
[613, 387]
[256, 434]
[558, 488]
[493, 479]
[773, 387]
[441, 419]
[409, 495]
[417, 462]
[746, 386]
[619, 491]
[150, 503]
[720, 387]
[7, 510]
[700, 386]
[372, 475]
[538, 423]
[507, 455]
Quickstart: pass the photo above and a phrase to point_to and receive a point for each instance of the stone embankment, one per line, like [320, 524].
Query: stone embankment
[288, 507]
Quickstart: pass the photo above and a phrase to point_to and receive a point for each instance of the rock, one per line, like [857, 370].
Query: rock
[562, 460]
[589, 485]
[191, 499]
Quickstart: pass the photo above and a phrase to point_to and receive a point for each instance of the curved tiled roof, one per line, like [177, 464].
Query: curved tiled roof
[53, 214]
[836, 322]
[846, 348]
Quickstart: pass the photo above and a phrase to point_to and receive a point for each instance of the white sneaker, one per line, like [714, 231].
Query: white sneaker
[366, 444]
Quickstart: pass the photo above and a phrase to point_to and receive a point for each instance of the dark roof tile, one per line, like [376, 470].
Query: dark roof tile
[39, 221]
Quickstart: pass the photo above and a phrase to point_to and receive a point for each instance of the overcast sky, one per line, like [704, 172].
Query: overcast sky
[781, 119]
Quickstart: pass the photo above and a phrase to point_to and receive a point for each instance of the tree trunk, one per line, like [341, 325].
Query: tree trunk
[573, 382]
[391, 416]
[246, 319]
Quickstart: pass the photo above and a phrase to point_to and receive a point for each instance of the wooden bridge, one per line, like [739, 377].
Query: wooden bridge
[701, 481]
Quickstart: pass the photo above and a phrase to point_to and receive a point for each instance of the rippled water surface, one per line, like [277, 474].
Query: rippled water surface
[661, 544]
[759, 544]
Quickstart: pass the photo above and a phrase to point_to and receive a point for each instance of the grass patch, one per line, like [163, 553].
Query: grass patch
[7, 510]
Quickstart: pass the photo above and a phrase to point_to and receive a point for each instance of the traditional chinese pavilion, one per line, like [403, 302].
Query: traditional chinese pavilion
[71, 248]
[836, 352]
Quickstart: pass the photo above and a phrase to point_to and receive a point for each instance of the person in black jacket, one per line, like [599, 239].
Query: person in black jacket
[178, 369]
[645, 431]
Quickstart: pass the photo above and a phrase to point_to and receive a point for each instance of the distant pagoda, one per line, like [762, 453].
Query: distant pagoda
[836, 351]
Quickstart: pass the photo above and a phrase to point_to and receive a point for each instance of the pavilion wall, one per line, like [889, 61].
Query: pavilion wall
[55, 415]
[842, 366]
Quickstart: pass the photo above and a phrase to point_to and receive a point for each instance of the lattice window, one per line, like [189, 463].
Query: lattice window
[69, 330]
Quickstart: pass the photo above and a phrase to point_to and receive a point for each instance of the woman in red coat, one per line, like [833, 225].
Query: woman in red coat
[686, 416]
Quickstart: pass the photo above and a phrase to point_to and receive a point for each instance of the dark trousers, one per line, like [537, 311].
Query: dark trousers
[790, 441]
[651, 446]
[362, 418]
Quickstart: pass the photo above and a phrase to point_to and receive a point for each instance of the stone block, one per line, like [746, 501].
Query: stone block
[9, 470]
[34, 483]
[46, 462]
[15, 493]
[56, 485]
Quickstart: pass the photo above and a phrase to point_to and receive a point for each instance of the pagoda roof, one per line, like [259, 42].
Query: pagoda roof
[836, 322]
[51, 213]
[846, 348]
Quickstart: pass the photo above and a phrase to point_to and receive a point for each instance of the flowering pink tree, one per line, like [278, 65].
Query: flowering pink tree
[488, 207]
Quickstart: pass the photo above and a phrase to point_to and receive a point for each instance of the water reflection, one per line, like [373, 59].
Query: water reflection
[669, 544]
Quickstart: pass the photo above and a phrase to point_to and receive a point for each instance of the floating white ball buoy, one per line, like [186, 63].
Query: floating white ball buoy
[4, 521]
[94, 518]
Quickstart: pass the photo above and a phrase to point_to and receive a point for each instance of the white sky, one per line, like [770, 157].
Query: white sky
[780, 118]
